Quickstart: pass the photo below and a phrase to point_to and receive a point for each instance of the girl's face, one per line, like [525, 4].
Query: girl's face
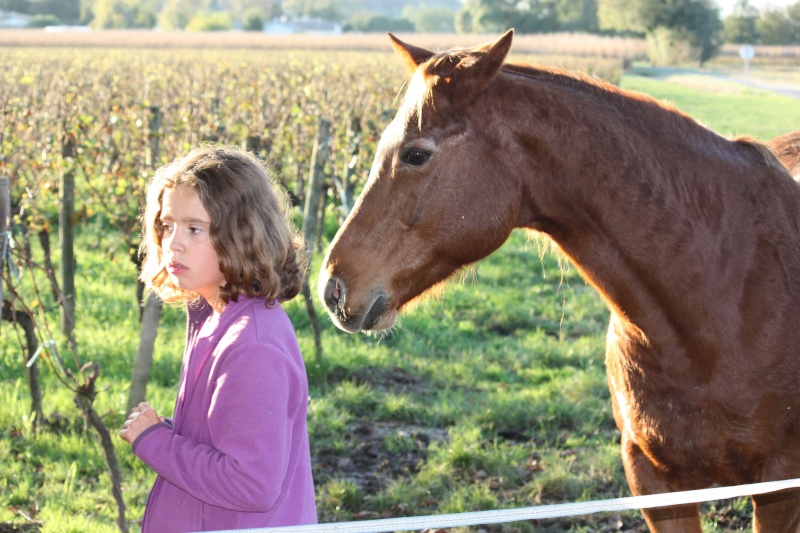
[190, 258]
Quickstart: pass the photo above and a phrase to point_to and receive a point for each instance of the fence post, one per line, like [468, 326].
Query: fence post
[313, 195]
[5, 231]
[346, 185]
[150, 314]
[66, 236]
[21, 318]
[153, 135]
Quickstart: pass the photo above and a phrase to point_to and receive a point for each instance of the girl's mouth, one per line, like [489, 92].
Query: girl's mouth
[176, 268]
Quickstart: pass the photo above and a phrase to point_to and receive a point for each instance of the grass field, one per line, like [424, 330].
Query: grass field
[490, 396]
[711, 100]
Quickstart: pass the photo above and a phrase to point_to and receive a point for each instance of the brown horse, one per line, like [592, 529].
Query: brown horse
[787, 149]
[693, 241]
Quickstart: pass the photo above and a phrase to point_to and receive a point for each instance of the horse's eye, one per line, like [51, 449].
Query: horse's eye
[415, 156]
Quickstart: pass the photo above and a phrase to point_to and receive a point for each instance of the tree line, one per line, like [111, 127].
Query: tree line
[676, 30]
[699, 18]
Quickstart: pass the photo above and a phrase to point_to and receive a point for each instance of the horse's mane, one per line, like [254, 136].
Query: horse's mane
[643, 103]
[603, 91]
[639, 104]
[768, 155]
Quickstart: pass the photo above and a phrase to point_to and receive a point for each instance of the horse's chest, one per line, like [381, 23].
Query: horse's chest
[669, 434]
[686, 433]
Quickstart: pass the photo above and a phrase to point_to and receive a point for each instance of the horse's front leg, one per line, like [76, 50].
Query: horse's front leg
[777, 512]
[643, 478]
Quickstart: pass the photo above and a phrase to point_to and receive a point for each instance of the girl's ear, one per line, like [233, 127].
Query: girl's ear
[411, 55]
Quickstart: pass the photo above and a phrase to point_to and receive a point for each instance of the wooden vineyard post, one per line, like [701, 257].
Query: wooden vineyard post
[21, 318]
[5, 233]
[313, 194]
[66, 238]
[153, 135]
[143, 362]
[152, 305]
[346, 185]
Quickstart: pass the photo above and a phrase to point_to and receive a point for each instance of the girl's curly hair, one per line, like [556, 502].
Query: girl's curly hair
[260, 253]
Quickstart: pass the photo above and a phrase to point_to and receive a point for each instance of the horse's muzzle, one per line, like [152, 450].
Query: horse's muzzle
[347, 318]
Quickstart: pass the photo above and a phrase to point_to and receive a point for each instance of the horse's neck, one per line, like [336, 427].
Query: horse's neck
[652, 208]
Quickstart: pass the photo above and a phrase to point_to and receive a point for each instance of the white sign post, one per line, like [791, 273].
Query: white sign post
[747, 52]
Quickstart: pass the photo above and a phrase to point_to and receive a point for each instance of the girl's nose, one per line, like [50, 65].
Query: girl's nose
[174, 244]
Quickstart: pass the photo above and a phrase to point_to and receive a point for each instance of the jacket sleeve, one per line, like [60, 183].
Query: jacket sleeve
[254, 407]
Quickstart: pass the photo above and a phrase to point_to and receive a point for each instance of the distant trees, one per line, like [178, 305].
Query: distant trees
[42, 21]
[109, 14]
[167, 14]
[430, 19]
[578, 16]
[210, 21]
[772, 26]
[61, 11]
[373, 22]
[780, 26]
[496, 16]
[677, 30]
[741, 26]
[253, 19]
[176, 14]
[325, 9]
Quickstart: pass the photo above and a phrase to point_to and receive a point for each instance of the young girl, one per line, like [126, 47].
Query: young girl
[216, 236]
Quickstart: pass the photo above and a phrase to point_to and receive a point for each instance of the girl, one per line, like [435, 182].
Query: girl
[216, 236]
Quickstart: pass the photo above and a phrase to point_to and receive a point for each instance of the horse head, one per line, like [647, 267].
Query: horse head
[435, 199]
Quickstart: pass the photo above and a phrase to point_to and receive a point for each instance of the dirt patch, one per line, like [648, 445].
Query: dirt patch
[378, 453]
[19, 528]
[393, 379]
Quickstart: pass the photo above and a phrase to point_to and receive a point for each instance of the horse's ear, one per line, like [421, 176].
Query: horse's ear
[411, 55]
[489, 58]
[469, 70]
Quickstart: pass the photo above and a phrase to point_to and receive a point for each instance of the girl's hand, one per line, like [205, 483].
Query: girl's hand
[142, 417]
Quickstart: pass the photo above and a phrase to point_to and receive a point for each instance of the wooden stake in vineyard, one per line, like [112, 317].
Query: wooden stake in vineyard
[152, 305]
[66, 237]
[5, 237]
[345, 185]
[313, 196]
[21, 318]
[84, 390]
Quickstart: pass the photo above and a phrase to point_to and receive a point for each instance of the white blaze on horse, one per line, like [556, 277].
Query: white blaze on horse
[692, 240]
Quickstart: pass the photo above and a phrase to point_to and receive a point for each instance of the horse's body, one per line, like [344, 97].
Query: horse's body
[692, 240]
[787, 149]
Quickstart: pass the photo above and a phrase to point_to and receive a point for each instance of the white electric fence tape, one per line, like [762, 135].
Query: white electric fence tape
[416, 523]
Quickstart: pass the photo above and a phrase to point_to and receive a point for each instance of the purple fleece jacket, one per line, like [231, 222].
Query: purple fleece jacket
[236, 454]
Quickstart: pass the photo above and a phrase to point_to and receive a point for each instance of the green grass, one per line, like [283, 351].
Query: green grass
[727, 107]
[492, 396]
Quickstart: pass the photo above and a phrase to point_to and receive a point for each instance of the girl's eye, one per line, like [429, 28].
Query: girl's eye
[415, 156]
[166, 228]
[195, 229]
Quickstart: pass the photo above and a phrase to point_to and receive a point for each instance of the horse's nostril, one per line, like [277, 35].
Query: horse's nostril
[334, 293]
